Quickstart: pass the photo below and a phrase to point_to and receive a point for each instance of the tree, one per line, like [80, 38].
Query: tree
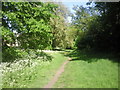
[101, 29]
[59, 25]
[71, 34]
[31, 22]
[82, 20]
[110, 23]
[28, 23]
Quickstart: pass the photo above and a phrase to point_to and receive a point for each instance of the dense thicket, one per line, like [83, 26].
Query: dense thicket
[110, 21]
[98, 26]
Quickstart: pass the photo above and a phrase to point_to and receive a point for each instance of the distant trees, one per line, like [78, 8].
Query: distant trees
[82, 21]
[71, 35]
[59, 26]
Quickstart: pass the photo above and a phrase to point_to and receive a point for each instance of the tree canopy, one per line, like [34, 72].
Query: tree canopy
[30, 21]
[43, 25]
[98, 26]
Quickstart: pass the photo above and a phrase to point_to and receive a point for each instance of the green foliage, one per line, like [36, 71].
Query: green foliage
[30, 21]
[83, 20]
[71, 34]
[109, 25]
[10, 54]
[81, 42]
[59, 27]
[100, 28]
[32, 25]
[7, 36]
[26, 25]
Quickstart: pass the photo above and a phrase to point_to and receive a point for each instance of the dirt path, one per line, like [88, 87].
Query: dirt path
[57, 75]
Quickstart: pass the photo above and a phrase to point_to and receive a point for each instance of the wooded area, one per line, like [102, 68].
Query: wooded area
[30, 27]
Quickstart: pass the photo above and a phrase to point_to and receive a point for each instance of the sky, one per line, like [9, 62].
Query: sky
[70, 5]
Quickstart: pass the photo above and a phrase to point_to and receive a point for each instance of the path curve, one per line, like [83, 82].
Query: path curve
[57, 75]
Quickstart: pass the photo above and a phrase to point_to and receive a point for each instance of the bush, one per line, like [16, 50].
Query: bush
[84, 41]
[9, 54]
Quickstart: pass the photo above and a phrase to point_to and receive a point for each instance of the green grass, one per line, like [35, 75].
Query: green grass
[89, 70]
[46, 73]
[86, 70]
[19, 74]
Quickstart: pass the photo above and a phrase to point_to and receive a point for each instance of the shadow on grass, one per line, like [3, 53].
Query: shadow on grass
[66, 50]
[12, 54]
[45, 56]
[91, 56]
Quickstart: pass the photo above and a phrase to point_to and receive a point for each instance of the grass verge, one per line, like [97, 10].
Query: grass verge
[89, 70]
[32, 72]
[46, 73]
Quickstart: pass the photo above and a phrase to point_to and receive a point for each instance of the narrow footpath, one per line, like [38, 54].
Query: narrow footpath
[57, 75]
